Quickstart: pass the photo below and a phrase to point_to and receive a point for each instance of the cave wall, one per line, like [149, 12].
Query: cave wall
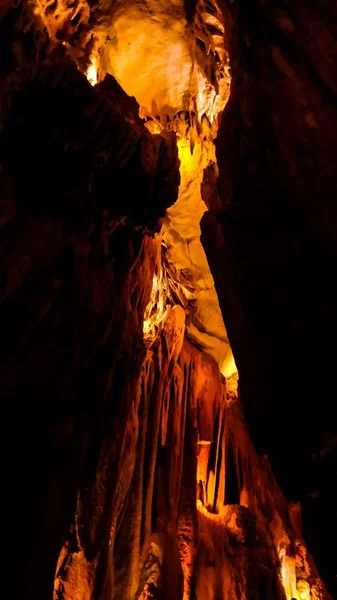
[80, 186]
[270, 238]
[131, 473]
[202, 516]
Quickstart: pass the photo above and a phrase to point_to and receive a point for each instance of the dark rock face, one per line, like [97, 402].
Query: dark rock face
[276, 153]
[131, 473]
[80, 185]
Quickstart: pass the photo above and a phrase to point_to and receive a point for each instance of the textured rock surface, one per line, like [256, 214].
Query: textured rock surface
[177, 70]
[79, 186]
[131, 465]
[187, 436]
[181, 234]
[276, 153]
[173, 60]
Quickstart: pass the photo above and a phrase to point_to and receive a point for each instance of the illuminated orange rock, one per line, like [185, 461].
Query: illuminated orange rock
[204, 513]
[136, 475]
[177, 69]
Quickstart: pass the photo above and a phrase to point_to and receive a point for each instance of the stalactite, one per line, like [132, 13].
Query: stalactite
[172, 501]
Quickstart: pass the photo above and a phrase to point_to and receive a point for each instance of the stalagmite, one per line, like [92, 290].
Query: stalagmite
[117, 280]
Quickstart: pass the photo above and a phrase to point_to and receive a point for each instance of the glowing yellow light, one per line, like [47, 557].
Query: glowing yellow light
[153, 126]
[156, 309]
[91, 73]
[288, 575]
[188, 161]
[228, 367]
[303, 587]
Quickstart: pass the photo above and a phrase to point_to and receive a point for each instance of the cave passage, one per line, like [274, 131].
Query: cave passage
[131, 251]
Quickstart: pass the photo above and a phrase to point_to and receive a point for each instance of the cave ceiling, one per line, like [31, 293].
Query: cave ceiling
[114, 210]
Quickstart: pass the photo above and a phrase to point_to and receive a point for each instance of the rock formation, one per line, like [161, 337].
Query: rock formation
[272, 239]
[132, 474]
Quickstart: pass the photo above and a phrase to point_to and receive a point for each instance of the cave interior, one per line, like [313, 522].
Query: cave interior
[168, 239]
